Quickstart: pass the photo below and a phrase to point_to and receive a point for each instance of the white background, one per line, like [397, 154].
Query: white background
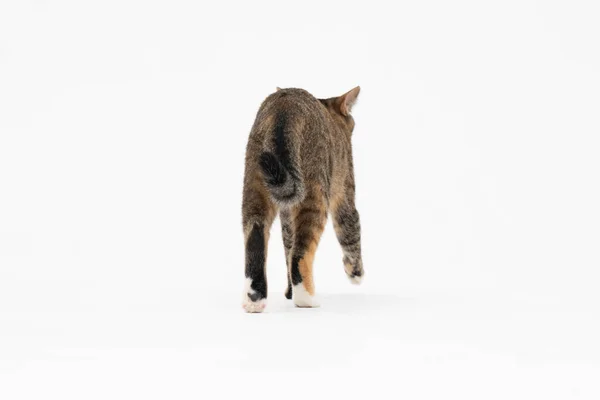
[123, 127]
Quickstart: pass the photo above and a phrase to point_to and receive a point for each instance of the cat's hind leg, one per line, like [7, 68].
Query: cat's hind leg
[258, 213]
[308, 220]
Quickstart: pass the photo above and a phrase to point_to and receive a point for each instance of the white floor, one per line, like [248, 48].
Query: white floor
[357, 345]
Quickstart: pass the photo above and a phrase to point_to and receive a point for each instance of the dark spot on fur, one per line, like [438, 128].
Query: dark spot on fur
[296, 277]
[272, 169]
[288, 292]
[279, 139]
[254, 296]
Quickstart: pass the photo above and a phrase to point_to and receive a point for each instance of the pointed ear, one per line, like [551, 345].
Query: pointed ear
[278, 89]
[347, 100]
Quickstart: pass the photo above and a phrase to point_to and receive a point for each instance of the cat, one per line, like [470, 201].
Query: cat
[299, 164]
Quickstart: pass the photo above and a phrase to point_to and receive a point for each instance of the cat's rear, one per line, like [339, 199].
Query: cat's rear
[299, 164]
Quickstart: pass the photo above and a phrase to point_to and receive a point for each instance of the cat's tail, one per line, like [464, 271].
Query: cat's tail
[280, 166]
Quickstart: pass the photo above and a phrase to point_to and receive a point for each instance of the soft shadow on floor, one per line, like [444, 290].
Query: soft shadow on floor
[345, 303]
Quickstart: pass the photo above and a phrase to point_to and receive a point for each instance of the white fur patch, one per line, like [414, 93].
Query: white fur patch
[249, 305]
[355, 280]
[303, 299]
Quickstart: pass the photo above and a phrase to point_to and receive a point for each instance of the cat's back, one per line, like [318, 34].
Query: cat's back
[292, 104]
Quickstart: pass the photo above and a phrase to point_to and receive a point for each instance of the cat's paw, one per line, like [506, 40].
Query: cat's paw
[355, 279]
[251, 302]
[354, 270]
[303, 299]
[254, 306]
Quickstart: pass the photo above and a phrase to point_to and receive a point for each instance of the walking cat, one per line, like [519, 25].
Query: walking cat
[299, 164]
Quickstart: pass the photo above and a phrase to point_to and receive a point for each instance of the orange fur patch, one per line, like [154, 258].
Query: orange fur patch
[305, 266]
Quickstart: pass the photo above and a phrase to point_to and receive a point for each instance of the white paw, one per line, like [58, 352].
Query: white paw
[254, 306]
[303, 299]
[250, 306]
[354, 270]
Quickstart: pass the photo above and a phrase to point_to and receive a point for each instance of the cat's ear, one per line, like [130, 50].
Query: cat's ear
[347, 100]
[278, 89]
